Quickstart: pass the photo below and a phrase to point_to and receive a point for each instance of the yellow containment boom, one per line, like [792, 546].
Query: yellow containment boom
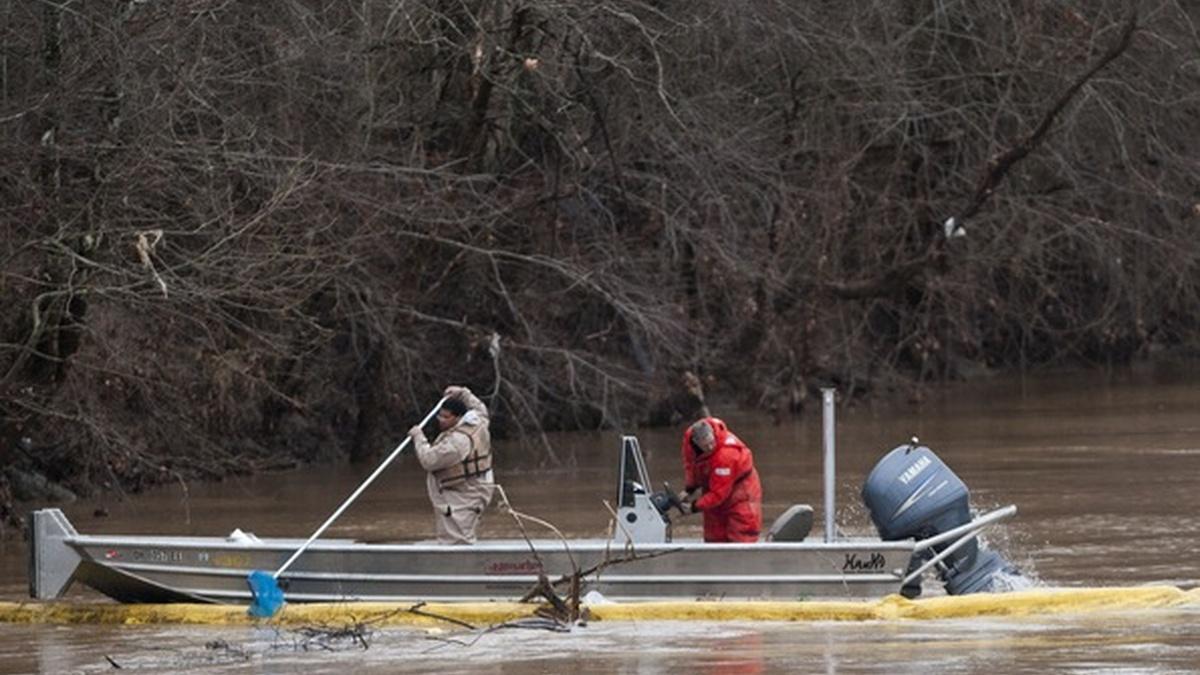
[481, 614]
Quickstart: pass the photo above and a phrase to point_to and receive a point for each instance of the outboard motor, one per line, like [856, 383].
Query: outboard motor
[912, 494]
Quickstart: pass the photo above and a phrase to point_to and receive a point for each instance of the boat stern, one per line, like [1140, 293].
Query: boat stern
[52, 562]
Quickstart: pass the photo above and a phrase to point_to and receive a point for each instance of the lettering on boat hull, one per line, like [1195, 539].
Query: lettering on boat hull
[855, 564]
[502, 567]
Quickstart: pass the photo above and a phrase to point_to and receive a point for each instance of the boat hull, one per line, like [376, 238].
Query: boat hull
[212, 569]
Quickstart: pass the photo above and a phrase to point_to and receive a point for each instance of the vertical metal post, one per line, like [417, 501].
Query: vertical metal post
[830, 469]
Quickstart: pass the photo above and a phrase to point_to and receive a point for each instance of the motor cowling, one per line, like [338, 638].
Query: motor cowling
[912, 494]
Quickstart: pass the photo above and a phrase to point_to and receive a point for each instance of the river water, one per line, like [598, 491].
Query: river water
[1104, 468]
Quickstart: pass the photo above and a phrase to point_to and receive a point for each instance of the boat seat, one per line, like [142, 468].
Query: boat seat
[793, 525]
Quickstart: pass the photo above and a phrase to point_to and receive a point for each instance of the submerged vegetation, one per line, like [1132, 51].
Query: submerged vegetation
[236, 236]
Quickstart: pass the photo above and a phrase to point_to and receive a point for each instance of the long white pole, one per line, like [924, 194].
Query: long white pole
[830, 468]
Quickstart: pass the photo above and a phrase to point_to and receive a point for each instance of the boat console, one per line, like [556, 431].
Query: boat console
[641, 516]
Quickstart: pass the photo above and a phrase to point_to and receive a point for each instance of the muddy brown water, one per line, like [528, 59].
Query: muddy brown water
[1103, 466]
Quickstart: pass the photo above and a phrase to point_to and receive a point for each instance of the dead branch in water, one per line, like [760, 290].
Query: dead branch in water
[317, 638]
[565, 606]
[563, 610]
[416, 609]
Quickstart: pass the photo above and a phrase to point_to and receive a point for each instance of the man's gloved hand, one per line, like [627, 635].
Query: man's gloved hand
[454, 391]
[416, 432]
[691, 507]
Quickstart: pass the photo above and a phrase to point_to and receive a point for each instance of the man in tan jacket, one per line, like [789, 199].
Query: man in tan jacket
[459, 462]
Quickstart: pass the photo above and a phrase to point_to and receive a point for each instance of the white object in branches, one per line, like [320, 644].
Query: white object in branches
[145, 246]
[953, 228]
[494, 346]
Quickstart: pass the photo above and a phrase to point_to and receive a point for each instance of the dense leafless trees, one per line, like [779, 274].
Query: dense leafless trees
[239, 234]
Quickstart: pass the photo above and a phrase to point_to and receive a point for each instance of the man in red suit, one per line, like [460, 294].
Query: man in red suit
[721, 482]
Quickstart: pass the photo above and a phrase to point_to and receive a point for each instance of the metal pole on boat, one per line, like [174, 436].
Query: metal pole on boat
[830, 488]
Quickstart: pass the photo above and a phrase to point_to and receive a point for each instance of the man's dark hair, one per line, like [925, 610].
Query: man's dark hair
[455, 406]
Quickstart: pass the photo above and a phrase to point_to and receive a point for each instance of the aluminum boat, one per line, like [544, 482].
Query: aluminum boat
[919, 507]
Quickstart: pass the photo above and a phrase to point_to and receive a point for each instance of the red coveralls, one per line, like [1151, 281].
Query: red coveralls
[732, 499]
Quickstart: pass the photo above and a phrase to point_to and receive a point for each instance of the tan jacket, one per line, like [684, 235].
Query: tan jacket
[458, 502]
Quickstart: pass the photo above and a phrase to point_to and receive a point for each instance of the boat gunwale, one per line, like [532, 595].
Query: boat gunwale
[507, 545]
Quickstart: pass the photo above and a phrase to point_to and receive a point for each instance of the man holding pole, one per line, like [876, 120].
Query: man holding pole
[459, 465]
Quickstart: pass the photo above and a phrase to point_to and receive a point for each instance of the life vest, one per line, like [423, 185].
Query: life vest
[477, 462]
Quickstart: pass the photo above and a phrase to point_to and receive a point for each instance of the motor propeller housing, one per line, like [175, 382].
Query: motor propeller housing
[911, 493]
